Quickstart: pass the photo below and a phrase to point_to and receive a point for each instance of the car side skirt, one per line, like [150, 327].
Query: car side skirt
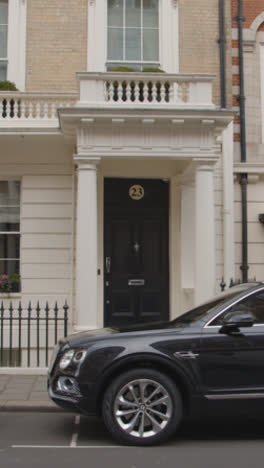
[236, 396]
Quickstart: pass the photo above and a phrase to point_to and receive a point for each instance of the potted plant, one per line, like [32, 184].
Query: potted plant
[7, 86]
[9, 283]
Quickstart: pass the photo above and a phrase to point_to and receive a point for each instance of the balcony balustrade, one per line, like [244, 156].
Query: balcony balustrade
[138, 90]
[104, 91]
[32, 110]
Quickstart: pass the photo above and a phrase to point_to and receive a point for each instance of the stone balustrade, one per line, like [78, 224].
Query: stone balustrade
[145, 90]
[28, 109]
[107, 90]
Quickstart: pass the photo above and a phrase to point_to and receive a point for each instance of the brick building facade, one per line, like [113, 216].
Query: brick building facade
[249, 153]
[124, 177]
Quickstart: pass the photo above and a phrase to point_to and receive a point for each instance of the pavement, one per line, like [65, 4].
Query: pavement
[25, 393]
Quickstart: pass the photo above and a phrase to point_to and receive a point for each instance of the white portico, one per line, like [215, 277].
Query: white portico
[169, 130]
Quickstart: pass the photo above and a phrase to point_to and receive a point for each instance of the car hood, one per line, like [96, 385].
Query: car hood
[91, 335]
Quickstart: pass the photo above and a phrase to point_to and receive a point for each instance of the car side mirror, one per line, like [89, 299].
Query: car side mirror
[236, 320]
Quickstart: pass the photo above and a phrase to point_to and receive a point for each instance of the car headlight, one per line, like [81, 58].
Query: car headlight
[66, 359]
[79, 355]
[71, 355]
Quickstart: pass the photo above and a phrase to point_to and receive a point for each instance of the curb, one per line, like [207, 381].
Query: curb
[19, 371]
[38, 406]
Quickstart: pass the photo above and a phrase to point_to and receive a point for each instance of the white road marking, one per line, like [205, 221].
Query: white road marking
[70, 447]
[73, 443]
[75, 434]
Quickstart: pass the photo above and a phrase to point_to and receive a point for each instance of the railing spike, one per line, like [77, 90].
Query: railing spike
[222, 284]
[27, 320]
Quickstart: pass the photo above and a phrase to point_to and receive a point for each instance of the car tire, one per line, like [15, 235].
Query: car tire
[142, 407]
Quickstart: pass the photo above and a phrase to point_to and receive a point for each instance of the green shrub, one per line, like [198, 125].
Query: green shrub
[122, 69]
[152, 70]
[7, 86]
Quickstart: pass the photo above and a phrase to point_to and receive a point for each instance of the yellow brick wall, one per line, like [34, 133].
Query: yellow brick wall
[199, 34]
[56, 44]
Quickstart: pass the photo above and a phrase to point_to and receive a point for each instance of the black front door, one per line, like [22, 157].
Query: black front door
[136, 251]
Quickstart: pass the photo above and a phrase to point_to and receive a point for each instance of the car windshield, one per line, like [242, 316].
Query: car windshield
[204, 309]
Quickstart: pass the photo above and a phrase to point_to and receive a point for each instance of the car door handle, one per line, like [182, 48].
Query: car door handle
[186, 354]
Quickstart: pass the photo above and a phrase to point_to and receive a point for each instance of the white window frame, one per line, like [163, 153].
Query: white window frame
[262, 87]
[3, 60]
[15, 179]
[16, 43]
[140, 62]
[168, 37]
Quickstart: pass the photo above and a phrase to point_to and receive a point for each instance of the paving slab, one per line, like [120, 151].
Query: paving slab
[41, 396]
[25, 393]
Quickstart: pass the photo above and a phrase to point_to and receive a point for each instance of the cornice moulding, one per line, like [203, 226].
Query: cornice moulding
[249, 168]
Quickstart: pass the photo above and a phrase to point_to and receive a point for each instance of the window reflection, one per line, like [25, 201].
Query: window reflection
[9, 227]
[133, 33]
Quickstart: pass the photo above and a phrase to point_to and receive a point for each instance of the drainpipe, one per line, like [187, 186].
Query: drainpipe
[244, 177]
[221, 42]
[227, 152]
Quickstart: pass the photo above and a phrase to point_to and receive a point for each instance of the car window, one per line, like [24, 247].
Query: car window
[201, 311]
[253, 304]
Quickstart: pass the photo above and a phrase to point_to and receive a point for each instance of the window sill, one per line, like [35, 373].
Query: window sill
[13, 295]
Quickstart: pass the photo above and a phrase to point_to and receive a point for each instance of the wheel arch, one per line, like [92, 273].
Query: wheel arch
[150, 362]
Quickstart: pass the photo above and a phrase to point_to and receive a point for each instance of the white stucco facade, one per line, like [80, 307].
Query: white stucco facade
[62, 252]
[62, 146]
[185, 147]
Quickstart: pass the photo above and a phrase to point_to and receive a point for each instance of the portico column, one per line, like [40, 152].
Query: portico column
[205, 257]
[86, 244]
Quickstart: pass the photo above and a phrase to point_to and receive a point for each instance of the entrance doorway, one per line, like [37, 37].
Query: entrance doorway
[136, 273]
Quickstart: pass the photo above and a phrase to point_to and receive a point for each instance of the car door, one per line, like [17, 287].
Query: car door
[233, 363]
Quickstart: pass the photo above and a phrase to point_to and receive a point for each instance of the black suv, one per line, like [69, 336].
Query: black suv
[144, 380]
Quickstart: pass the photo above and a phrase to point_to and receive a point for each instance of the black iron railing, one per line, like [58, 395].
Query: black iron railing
[28, 335]
[234, 282]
